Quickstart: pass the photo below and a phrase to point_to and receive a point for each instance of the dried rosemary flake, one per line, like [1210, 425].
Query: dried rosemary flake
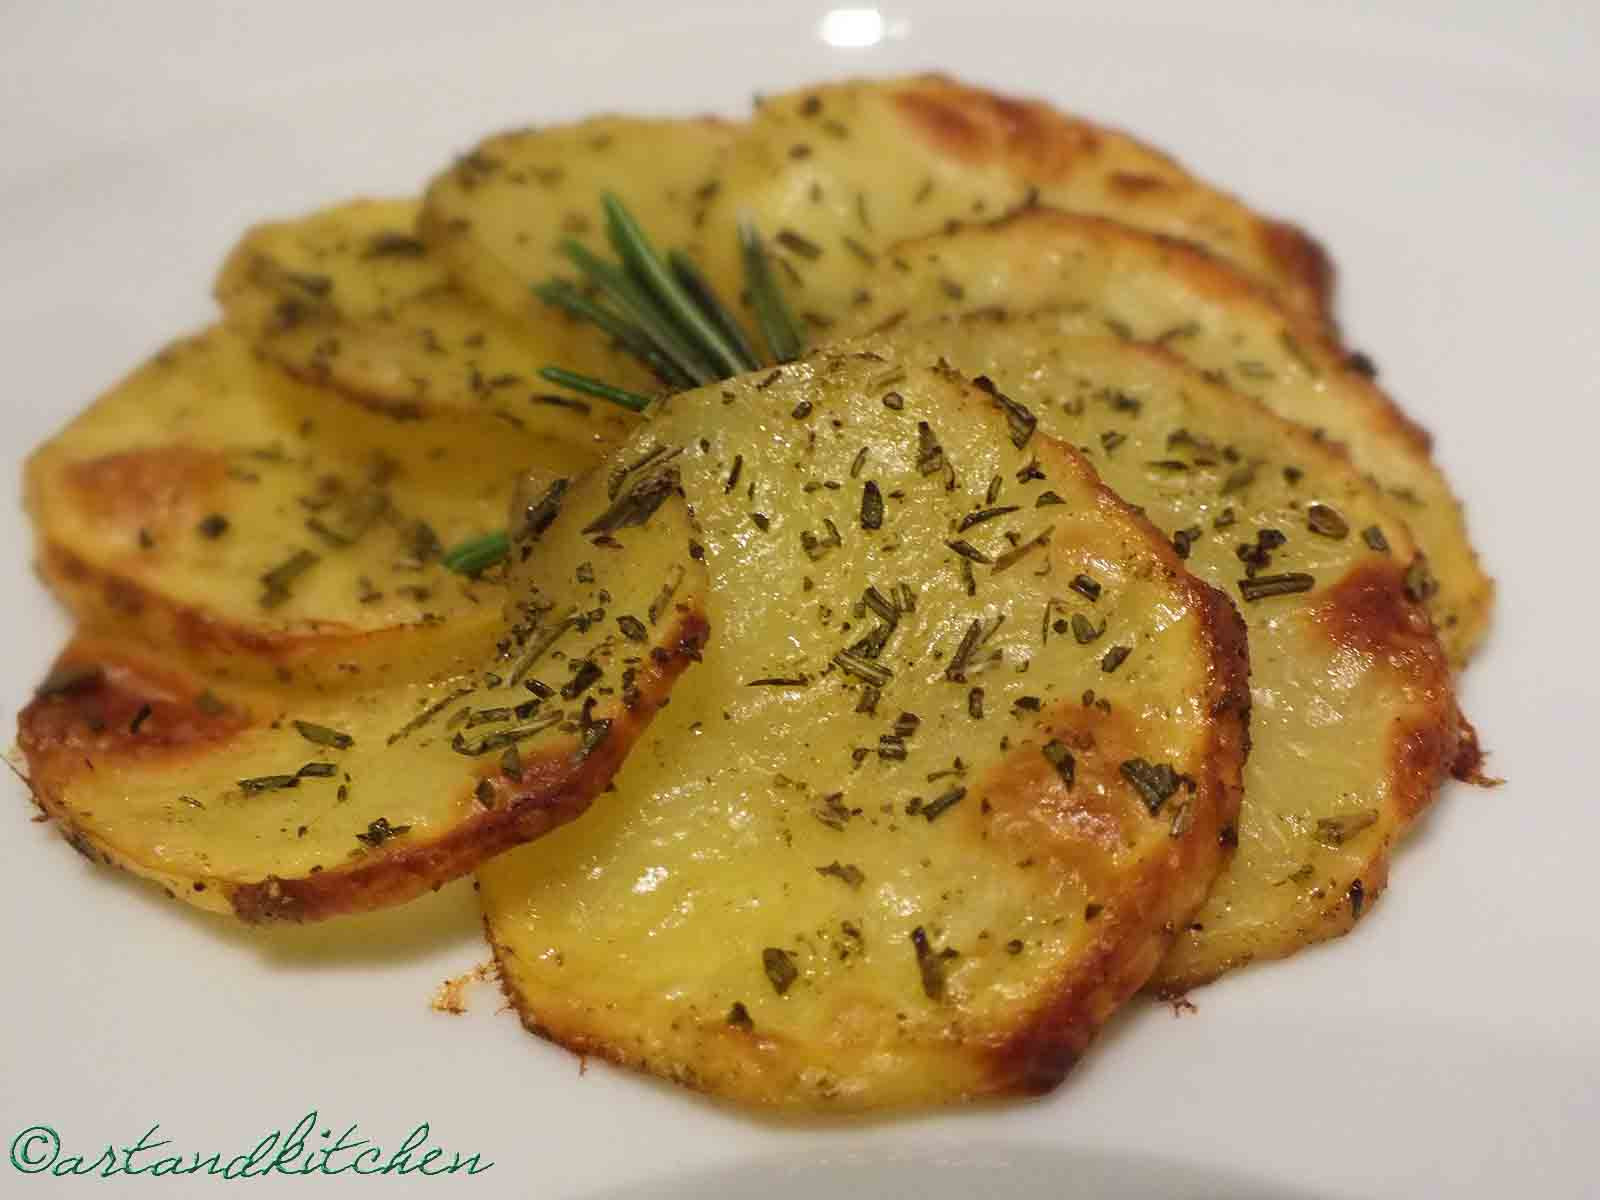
[1373, 537]
[970, 552]
[1059, 757]
[871, 506]
[318, 770]
[668, 590]
[930, 454]
[426, 715]
[985, 514]
[268, 783]
[1263, 586]
[1086, 587]
[321, 735]
[846, 873]
[862, 668]
[1114, 658]
[930, 964]
[380, 831]
[1327, 522]
[780, 969]
[943, 802]
[1084, 632]
[739, 1017]
[1335, 831]
[1019, 420]
[1155, 782]
[275, 583]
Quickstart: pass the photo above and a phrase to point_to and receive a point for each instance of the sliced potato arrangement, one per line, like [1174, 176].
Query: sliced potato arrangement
[1145, 288]
[1354, 723]
[896, 840]
[291, 805]
[268, 532]
[867, 589]
[352, 299]
[836, 174]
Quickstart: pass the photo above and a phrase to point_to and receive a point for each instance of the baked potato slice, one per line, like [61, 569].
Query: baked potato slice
[496, 217]
[350, 298]
[1155, 289]
[1354, 724]
[287, 804]
[835, 174]
[895, 842]
[212, 508]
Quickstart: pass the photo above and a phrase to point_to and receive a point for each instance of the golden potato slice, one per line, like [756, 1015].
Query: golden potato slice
[263, 530]
[497, 216]
[896, 841]
[837, 173]
[350, 298]
[1153, 289]
[1354, 723]
[283, 804]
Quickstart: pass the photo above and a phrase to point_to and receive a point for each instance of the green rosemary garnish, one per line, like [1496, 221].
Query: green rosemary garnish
[477, 554]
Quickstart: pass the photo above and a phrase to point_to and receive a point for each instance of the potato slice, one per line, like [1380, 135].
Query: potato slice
[350, 298]
[838, 173]
[1156, 290]
[497, 216]
[211, 507]
[889, 845]
[1354, 723]
[277, 804]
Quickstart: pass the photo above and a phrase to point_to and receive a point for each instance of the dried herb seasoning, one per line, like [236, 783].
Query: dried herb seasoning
[1155, 782]
[779, 968]
[1264, 586]
[321, 735]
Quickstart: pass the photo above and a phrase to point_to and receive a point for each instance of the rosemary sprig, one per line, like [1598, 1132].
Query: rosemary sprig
[777, 326]
[476, 554]
[595, 387]
[664, 312]
[663, 286]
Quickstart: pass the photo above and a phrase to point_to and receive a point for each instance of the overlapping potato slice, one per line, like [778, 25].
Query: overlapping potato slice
[897, 840]
[838, 173]
[211, 507]
[1354, 723]
[1157, 290]
[497, 216]
[350, 298]
[286, 804]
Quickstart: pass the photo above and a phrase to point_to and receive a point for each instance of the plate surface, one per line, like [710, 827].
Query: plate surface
[1447, 155]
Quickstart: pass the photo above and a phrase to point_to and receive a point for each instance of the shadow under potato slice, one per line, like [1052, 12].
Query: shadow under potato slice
[1354, 724]
[288, 804]
[1153, 289]
[351, 299]
[896, 841]
[835, 174]
[262, 531]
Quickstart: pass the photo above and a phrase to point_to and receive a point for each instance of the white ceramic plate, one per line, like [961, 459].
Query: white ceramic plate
[1447, 154]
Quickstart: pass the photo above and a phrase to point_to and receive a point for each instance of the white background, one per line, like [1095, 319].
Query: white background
[1450, 156]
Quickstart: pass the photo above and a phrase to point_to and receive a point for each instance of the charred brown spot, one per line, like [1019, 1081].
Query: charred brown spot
[129, 711]
[977, 126]
[1131, 185]
[1367, 611]
[1299, 257]
[156, 489]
